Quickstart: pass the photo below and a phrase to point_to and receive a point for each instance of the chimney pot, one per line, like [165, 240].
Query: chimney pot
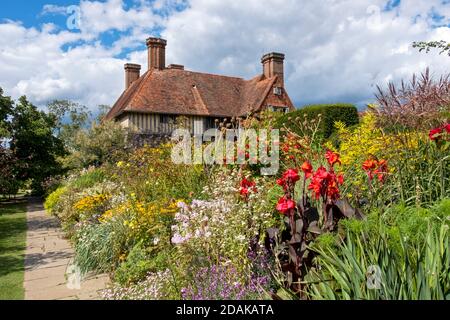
[273, 65]
[156, 53]
[132, 73]
[176, 66]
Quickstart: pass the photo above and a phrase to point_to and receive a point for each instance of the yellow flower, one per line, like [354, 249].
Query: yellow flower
[120, 164]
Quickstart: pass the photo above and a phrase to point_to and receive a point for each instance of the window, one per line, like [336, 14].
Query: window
[210, 123]
[167, 119]
[278, 91]
[278, 109]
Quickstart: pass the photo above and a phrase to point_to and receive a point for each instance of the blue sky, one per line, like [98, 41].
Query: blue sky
[336, 51]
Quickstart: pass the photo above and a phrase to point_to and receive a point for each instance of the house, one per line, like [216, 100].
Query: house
[152, 102]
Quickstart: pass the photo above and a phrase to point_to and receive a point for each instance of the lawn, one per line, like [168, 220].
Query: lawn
[12, 250]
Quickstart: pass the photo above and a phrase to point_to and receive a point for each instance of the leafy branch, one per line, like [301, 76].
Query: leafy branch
[427, 46]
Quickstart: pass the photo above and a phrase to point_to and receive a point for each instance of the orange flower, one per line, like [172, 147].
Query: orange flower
[332, 158]
[307, 169]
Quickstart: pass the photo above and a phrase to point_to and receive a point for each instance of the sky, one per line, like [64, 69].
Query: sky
[336, 50]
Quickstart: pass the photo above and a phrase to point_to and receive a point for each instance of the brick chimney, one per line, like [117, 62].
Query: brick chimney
[132, 73]
[273, 65]
[156, 53]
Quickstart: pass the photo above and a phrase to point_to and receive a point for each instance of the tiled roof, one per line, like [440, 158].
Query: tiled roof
[173, 91]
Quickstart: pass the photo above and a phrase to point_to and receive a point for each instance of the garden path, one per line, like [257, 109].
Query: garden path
[49, 272]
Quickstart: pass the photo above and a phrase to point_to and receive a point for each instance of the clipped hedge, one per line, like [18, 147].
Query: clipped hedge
[346, 113]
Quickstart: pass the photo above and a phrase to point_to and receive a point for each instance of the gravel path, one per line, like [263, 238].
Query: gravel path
[49, 271]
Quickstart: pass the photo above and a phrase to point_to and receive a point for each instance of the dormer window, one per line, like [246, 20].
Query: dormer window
[278, 91]
[281, 109]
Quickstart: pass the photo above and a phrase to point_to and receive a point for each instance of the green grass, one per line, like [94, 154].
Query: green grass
[13, 226]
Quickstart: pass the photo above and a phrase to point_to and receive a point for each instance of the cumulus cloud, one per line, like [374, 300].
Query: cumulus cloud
[336, 50]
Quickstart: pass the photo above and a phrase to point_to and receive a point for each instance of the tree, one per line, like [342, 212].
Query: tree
[34, 144]
[70, 118]
[104, 142]
[427, 46]
[10, 182]
[6, 106]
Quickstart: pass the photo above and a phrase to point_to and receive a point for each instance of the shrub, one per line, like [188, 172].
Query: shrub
[328, 113]
[54, 199]
[89, 179]
[135, 267]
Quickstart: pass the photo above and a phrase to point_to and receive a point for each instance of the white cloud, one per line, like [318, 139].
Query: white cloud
[53, 9]
[336, 50]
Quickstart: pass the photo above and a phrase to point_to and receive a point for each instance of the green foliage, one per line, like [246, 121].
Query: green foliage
[139, 263]
[32, 142]
[6, 107]
[70, 118]
[409, 245]
[103, 142]
[89, 179]
[98, 247]
[328, 113]
[10, 181]
[367, 268]
[442, 45]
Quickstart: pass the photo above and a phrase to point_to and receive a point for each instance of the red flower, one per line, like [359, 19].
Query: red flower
[369, 165]
[340, 179]
[324, 183]
[281, 182]
[375, 167]
[332, 158]
[307, 169]
[434, 134]
[285, 205]
[291, 175]
[246, 186]
[382, 170]
[244, 192]
[447, 127]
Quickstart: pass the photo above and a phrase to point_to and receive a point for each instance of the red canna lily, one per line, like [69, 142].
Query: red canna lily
[370, 164]
[447, 127]
[281, 182]
[435, 134]
[332, 158]
[285, 205]
[376, 167]
[291, 176]
[382, 170]
[307, 169]
[326, 184]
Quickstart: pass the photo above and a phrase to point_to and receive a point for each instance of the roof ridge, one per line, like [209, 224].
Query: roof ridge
[198, 96]
[140, 85]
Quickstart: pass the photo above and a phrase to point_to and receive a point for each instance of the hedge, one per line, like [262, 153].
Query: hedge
[346, 113]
